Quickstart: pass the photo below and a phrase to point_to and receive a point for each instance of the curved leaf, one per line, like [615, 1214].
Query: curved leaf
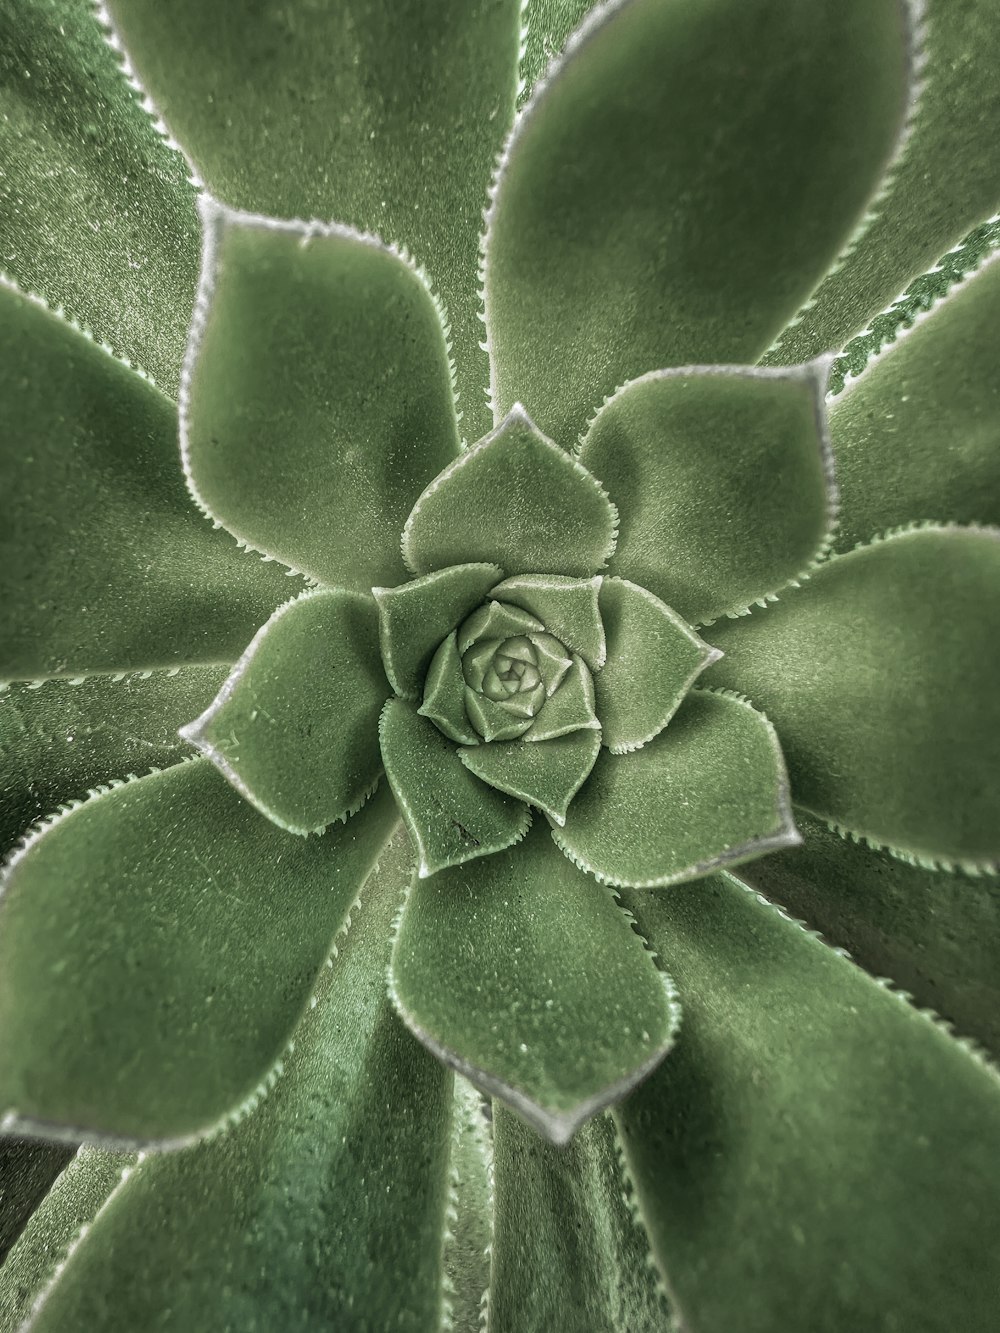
[467, 1244]
[547, 776]
[444, 694]
[566, 607]
[27, 1171]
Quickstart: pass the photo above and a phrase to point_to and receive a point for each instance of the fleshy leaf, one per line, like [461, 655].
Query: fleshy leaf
[517, 499]
[467, 1243]
[570, 708]
[444, 694]
[451, 815]
[549, 25]
[415, 617]
[506, 990]
[104, 564]
[27, 1172]
[157, 947]
[772, 126]
[295, 726]
[815, 1154]
[389, 119]
[916, 435]
[709, 791]
[653, 658]
[494, 720]
[495, 621]
[879, 674]
[317, 394]
[548, 775]
[712, 547]
[567, 608]
[296, 1203]
[553, 664]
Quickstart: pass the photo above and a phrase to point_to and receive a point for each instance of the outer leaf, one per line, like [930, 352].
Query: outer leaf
[96, 213]
[903, 635]
[549, 25]
[104, 565]
[387, 119]
[494, 969]
[27, 1171]
[324, 1209]
[566, 607]
[295, 726]
[451, 816]
[547, 776]
[709, 791]
[605, 260]
[653, 658]
[317, 394]
[467, 1244]
[916, 435]
[158, 946]
[567, 1253]
[518, 500]
[815, 1153]
[760, 437]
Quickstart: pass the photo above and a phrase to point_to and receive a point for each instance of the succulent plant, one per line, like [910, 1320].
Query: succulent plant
[418, 927]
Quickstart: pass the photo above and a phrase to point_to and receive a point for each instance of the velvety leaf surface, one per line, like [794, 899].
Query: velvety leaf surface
[772, 124]
[157, 946]
[653, 658]
[710, 790]
[96, 213]
[59, 740]
[318, 399]
[388, 119]
[547, 776]
[295, 726]
[903, 634]
[569, 709]
[947, 180]
[518, 500]
[27, 1171]
[917, 435]
[323, 1209]
[444, 694]
[723, 479]
[568, 608]
[450, 815]
[470, 1216]
[104, 562]
[814, 1154]
[415, 617]
[936, 934]
[567, 1253]
[508, 968]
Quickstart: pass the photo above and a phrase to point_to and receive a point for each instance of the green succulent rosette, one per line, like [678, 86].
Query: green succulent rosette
[502, 779]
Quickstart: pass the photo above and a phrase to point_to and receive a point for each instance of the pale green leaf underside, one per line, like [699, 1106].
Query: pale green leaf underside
[722, 478]
[918, 435]
[547, 775]
[879, 675]
[566, 607]
[517, 500]
[709, 790]
[294, 728]
[96, 214]
[508, 967]
[104, 563]
[814, 1154]
[387, 118]
[318, 399]
[157, 946]
[678, 188]
[567, 1253]
[328, 1201]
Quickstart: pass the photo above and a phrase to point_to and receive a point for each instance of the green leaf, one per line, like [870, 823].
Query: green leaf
[767, 508]
[96, 212]
[467, 1244]
[295, 726]
[497, 621]
[677, 188]
[415, 617]
[944, 183]
[549, 24]
[936, 934]
[916, 434]
[709, 791]
[903, 635]
[324, 1209]
[451, 816]
[444, 694]
[104, 564]
[653, 659]
[495, 720]
[547, 776]
[567, 1253]
[507, 968]
[570, 708]
[386, 118]
[567, 608]
[157, 947]
[27, 1171]
[518, 500]
[815, 1154]
[330, 344]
